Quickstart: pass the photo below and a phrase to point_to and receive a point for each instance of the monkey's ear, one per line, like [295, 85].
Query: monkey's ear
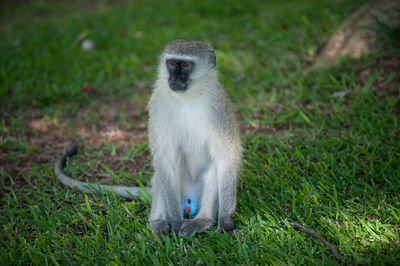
[213, 58]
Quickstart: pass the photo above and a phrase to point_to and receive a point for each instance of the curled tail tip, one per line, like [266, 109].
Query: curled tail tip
[60, 164]
[72, 150]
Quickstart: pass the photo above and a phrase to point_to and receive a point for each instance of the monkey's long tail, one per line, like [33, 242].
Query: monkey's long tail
[123, 191]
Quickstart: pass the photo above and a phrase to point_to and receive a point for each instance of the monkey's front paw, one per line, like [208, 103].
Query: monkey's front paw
[225, 224]
[192, 226]
[160, 227]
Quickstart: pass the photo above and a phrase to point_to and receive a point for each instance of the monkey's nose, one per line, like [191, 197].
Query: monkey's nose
[177, 84]
[186, 209]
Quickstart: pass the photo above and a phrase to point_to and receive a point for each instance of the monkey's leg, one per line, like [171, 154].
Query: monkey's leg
[206, 216]
[158, 217]
[227, 181]
[170, 187]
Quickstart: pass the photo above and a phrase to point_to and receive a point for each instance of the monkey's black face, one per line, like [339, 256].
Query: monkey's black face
[179, 72]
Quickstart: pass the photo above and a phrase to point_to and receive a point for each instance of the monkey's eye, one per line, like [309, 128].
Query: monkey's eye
[185, 64]
[171, 63]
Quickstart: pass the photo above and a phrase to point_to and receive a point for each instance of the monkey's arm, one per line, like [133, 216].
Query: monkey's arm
[123, 191]
[226, 153]
[227, 185]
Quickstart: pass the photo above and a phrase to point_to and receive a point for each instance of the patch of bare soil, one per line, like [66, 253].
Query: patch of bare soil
[359, 34]
[41, 140]
[112, 122]
[389, 81]
[264, 130]
[257, 115]
[60, 8]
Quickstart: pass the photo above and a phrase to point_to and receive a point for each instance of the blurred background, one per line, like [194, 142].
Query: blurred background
[59, 47]
[320, 130]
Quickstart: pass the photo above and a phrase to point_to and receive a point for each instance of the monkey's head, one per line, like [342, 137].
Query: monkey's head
[182, 62]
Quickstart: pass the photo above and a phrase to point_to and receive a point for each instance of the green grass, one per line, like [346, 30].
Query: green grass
[328, 163]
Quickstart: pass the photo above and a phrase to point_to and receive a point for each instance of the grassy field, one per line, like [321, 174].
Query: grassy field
[328, 163]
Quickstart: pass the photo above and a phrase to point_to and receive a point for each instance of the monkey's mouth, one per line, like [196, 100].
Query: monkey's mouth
[177, 84]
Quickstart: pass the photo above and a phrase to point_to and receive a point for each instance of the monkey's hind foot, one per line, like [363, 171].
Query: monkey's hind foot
[225, 224]
[160, 227]
[192, 226]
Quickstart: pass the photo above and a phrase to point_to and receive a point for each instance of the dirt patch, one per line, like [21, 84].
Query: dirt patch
[373, 217]
[39, 140]
[360, 33]
[122, 121]
[264, 130]
[19, 162]
[389, 81]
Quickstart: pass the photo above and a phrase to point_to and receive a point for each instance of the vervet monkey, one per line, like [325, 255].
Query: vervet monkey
[195, 143]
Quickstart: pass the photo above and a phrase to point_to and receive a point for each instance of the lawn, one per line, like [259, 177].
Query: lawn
[328, 163]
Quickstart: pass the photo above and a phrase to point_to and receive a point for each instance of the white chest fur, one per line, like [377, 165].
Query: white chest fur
[185, 135]
[193, 129]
